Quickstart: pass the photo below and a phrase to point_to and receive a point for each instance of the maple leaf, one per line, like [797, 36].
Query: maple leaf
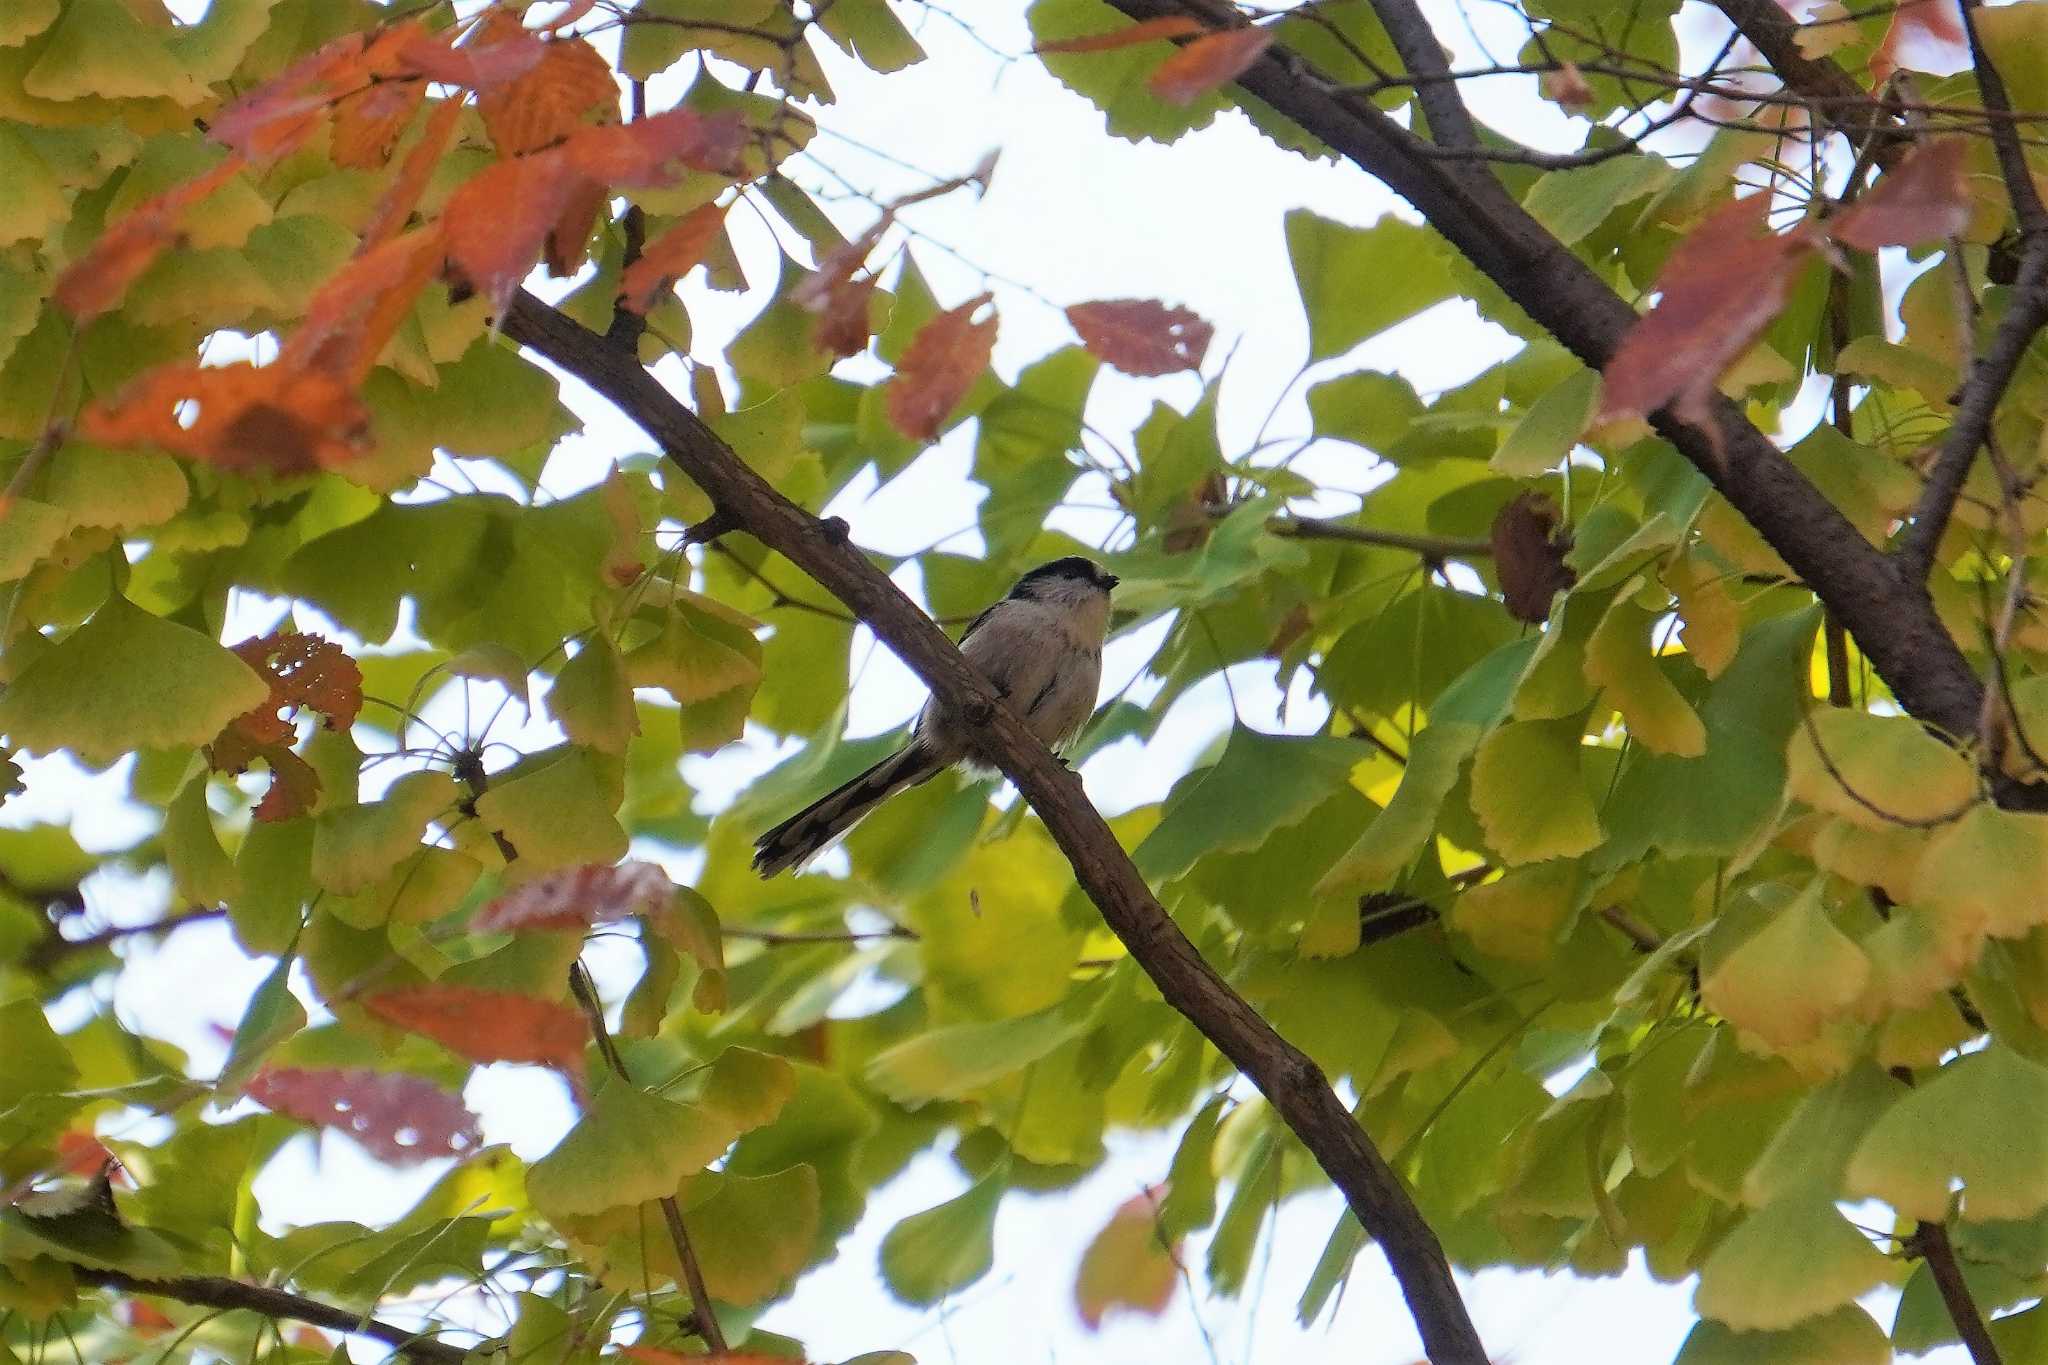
[1142, 336]
[1718, 290]
[486, 1025]
[847, 322]
[397, 1117]
[281, 419]
[96, 282]
[1207, 62]
[1528, 556]
[1144, 31]
[368, 123]
[576, 898]
[669, 257]
[547, 102]
[1922, 198]
[944, 359]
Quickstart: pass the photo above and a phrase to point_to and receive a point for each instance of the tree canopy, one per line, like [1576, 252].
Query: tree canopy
[1665, 870]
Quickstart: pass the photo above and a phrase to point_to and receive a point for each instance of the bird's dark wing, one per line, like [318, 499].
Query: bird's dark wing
[975, 624]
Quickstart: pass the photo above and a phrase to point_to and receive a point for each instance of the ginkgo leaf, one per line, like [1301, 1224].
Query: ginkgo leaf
[1619, 659]
[1129, 1265]
[200, 869]
[355, 846]
[1522, 756]
[1915, 955]
[1794, 1259]
[1550, 429]
[559, 812]
[1142, 336]
[123, 681]
[396, 1117]
[575, 898]
[274, 1014]
[28, 533]
[1976, 1123]
[1522, 915]
[1922, 1037]
[550, 99]
[1877, 770]
[1812, 1148]
[1847, 1336]
[670, 256]
[427, 883]
[487, 1025]
[126, 489]
[1986, 872]
[1888, 857]
[592, 700]
[945, 1248]
[1790, 978]
[945, 358]
[1921, 199]
[704, 649]
[1400, 831]
[953, 1061]
[632, 1146]
[1711, 620]
[1144, 31]
[1209, 61]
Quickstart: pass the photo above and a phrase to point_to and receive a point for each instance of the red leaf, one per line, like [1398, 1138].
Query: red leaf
[1528, 556]
[643, 152]
[815, 292]
[81, 1153]
[1142, 336]
[494, 56]
[944, 359]
[1144, 31]
[1933, 28]
[303, 670]
[1918, 200]
[1128, 1265]
[368, 123]
[499, 219]
[576, 898]
[669, 257]
[486, 1025]
[847, 322]
[278, 418]
[1209, 61]
[96, 281]
[1720, 288]
[145, 1319]
[396, 1117]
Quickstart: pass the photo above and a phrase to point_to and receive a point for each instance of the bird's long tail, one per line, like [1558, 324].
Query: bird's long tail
[819, 825]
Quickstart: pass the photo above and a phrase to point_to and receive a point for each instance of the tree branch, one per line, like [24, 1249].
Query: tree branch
[55, 948]
[1290, 1080]
[1428, 546]
[216, 1291]
[1896, 629]
[1931, 1241]
[1838, 99]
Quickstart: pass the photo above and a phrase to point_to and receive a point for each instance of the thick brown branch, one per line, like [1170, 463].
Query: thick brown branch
[1931, 1241]
[1838, 99]
[1291, 1081]
[1893, 623]
[2005, 138]
[215, 1291]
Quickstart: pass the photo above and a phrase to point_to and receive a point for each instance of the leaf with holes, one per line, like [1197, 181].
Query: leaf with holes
[1142, 336]
[397, 1117]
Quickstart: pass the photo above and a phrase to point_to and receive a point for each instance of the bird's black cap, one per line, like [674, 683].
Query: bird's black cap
[1072, 566]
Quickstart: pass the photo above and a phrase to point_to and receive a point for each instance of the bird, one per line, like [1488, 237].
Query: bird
[1040, 648]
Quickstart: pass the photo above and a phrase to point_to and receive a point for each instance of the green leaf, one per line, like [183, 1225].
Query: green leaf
[35, 1061]
[870, 30]
[592, 700]
[200, 869]
[632, 1146]
[1977, 1122]
[1575, 201]
[127, 490]
[274, 1014]
[1632, 679]
[952, 1062]
[1812, 1149]
[1790, 979]
[933, 1254]
[274, 877]
[1550, 428]
[354, 847]
[100, 48]
[1365, 407]
[1790, 1261]
[558, 811]
[1399, 832]
[1525, 756]
[1292, 774]
[1846, 1336]
[1522, 915]
[127, 680]
[1848, 762]
[1409, 265]
[1114, 81]
[752, 1233]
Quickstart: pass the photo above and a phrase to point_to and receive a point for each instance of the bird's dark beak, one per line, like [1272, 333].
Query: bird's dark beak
[1110, 580]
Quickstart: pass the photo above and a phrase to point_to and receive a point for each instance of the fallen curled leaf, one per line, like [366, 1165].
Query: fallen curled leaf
[669, 257]
[1528, 556]
[397, 1117]
[577, 898]
[1144, 31]
[944, 359]
[1208, 62]
[1142, 336]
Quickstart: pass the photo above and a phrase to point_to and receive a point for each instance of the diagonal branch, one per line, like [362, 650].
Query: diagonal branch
[217, 1291]
[1931, 1240]
[1290, 1080]
[1894, 624]
[1838, 99]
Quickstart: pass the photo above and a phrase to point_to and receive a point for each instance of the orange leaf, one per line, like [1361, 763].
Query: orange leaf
[352, 316]
[494, 57]
[397, 1117]
[642, 152]
[1128, 1265]
[395, 209]
[1142, 336]
[368, 123]
[270, 119]
[544, 105]
[568, 241]
[1209, 61]
[485, 1025]
[815, 291]
[575, 10]
[281, 419]
[145, 1319]
[306, 670]
[96, 281]
[1144, 31]
[1918, 200]
[499, 218]
[576, 898]
[1719, 289]
[669, 257]
[944, 359]
[846, 324]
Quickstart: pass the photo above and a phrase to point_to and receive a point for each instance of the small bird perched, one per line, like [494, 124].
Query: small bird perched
[1040, 647]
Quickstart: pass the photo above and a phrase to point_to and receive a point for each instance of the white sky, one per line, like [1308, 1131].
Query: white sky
[1073, 215]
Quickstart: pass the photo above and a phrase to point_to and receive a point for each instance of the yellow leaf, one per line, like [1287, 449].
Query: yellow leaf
[1783, 986]
[1888, 857]
[1876, 771]
[1520, 916]
[1712, 620]
[1989, 870]
[1514, 764]
[1620, 662]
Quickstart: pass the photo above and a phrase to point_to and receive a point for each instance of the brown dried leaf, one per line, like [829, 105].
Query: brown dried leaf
[1528, 556]
[1922, 198]
[1142, 336]
[847, 322]
[944, 359]
[1208, 62]
[576, 898]
[397, 1117]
